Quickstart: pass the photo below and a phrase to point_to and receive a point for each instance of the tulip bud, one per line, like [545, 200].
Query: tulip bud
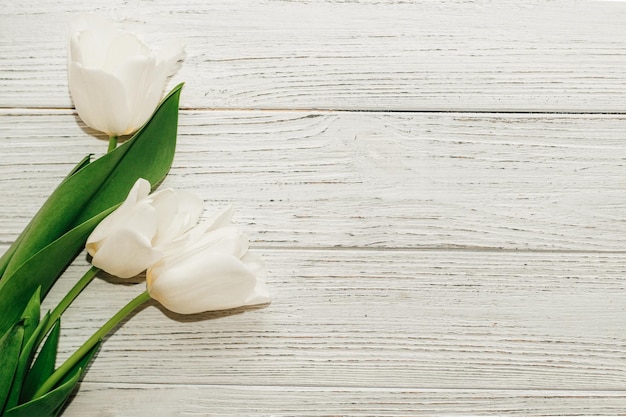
[211, 269]
[141, 230]
[115, 81]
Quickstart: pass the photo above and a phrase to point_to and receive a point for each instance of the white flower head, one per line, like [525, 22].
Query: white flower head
[210, 269]
[116, 82]
[135, 236]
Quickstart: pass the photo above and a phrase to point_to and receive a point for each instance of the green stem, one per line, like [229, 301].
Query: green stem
[112, 143]
[62, 370]
[67, 300]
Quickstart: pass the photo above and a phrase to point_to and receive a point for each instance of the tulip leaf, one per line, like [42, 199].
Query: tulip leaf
[81, 164]
[40, 270]
[92, 189]
[29, 347]
[44, 364]
[31, 314]
[10, 346]
[51, 404]
[30, 320]
[6, 257]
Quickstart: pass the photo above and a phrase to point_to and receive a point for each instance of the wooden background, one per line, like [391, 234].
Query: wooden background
[438, 188]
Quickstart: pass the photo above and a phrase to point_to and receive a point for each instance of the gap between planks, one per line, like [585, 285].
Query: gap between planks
[528, 391]
[463, 249]
[338, 110]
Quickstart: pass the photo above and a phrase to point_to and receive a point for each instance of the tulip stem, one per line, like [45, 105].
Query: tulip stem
[112, 143]
[71, 362]
[67, 300]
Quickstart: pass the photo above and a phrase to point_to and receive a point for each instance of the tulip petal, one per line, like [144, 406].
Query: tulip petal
[139, 191]
[255, 264]
[190, 208]
[100, 99]
[141, 219]
[201, 282]
[144, 89]
[220, 218]
[125, 254]
[261, 293]
[150, 86]
[217, 220]
[166, 204]
[171, 55]
[178, 211]
[123, 46]
[191, 239]
[91, 35]
[228, 239]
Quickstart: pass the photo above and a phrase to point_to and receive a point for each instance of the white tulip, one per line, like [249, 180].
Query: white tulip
[142, 229]
[115, 81]
[210, 269]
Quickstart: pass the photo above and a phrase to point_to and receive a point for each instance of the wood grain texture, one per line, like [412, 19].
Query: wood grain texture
[193, 400]
[382, 55]
[336, 179]
[381, 319]
[362, 332]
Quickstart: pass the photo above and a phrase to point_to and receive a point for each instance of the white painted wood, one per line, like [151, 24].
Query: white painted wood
[307, 179]
[414, 55]
[383, 319]
[97, 399]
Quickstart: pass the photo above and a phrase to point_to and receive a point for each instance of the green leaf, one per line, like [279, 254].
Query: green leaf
[40, 270]
[35, 340]
[31, 314]
[10, 346]
[44, 364]
[92, 189]
[82, 163]
[51, 403]
[30, 320]
[29, 347]
[6, 257]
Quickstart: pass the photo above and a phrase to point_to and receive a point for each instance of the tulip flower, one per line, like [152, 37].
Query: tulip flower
[206, 268]
[210, 269]
[115, 81]
[138, 233]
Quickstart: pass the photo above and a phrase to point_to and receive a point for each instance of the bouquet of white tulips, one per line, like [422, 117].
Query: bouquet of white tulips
[107, 207]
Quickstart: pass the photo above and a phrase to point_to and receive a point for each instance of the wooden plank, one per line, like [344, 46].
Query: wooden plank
[395, 320]
[336, 179]
[383, 55]
[95, 399]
